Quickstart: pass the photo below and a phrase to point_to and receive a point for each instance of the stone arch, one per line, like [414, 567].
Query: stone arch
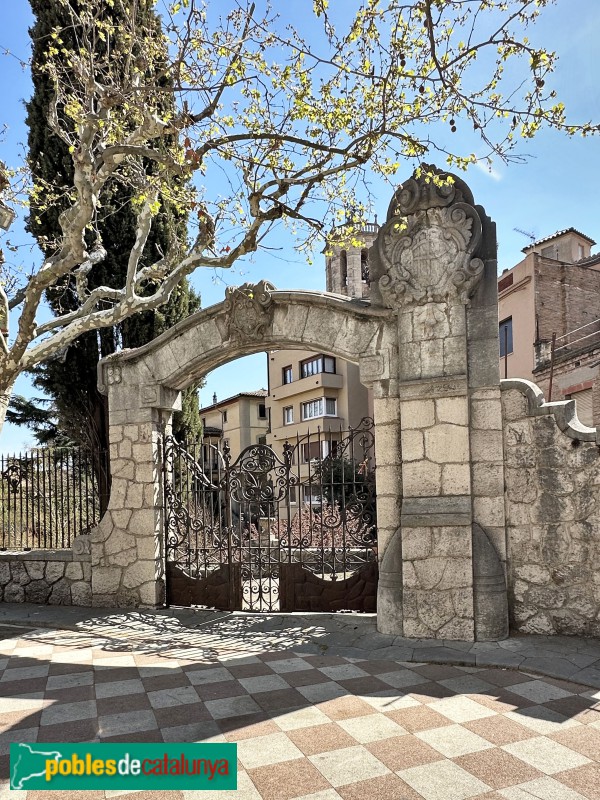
[144, 386]
[250, 320]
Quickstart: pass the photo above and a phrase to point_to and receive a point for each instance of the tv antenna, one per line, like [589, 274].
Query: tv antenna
[526, 233]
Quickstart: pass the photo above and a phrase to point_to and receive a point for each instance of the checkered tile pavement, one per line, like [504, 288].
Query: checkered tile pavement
[318, 727]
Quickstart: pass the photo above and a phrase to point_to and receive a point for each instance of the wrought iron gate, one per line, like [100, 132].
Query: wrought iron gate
[294, 531]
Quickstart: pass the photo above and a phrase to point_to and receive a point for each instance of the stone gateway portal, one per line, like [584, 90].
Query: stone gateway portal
[426, 343]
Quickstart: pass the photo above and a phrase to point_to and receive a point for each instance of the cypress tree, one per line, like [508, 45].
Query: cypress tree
[70, 380]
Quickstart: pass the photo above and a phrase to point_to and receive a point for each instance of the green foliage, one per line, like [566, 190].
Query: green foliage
[340, 478]
[273, 122]
[39, 418]
[70, 379]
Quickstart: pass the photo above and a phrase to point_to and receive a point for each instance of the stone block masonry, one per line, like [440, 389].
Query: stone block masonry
[424, 344]
[128, 546]
[434, 264]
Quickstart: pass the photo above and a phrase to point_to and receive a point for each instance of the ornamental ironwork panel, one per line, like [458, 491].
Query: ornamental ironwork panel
[311, 506]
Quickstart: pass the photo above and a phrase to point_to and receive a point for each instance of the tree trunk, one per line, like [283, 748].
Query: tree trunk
[5, 395]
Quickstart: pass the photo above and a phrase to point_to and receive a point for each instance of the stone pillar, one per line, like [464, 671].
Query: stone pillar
[487, 448]
[434, 264]
[379, 373]
[127, 547]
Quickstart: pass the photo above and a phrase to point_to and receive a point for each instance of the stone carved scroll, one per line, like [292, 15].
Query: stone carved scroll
[426, 248]
[81, 547]
[249, 309]
[109, 374]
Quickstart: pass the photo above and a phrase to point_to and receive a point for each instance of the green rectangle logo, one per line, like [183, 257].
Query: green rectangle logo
[108, 765]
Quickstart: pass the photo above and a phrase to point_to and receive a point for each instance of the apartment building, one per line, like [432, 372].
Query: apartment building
[554, 294]
[237, 421]
[314, 398]
[313, 393]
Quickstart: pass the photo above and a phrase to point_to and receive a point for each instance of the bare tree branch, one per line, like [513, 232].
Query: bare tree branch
[286, 124]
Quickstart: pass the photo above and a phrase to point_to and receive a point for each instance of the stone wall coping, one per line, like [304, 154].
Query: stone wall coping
[41, 555]
[564, 411]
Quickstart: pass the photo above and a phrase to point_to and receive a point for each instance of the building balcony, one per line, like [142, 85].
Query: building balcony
[325, 380]
[326, 425]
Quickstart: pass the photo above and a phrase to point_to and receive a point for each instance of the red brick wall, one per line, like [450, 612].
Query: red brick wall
[567, 297]
[572, 375]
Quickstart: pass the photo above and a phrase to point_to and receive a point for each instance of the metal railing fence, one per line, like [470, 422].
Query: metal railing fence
[48, 496]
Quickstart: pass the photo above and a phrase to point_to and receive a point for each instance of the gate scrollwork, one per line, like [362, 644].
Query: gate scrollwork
[312, 508]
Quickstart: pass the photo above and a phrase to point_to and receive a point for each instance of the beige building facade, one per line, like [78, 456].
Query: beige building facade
[313, 400]
[237, 421]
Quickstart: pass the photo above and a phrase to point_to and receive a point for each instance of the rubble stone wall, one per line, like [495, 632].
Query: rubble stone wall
[52, 577]
[552, 477]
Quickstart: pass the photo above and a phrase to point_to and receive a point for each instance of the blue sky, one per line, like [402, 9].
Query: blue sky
[555, 189]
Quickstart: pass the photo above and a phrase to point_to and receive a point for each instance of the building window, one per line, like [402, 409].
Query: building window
[323, 406]
[287, 375]
[224, 416]
[364, 267]
[550, 252]
[262, 411]
[317, 364]
[288, 415]
[344, 267]
[314, 408]
[580, 251]
[292, 495]
[506, 337]
[312, 452]
[330, 448]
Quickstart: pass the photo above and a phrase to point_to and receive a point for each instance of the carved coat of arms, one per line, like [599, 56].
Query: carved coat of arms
[426, 247]
[249, 309]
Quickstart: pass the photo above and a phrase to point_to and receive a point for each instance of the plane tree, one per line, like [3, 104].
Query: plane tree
[272, 122]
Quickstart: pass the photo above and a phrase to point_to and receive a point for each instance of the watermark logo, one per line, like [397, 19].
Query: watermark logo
[103, 765]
